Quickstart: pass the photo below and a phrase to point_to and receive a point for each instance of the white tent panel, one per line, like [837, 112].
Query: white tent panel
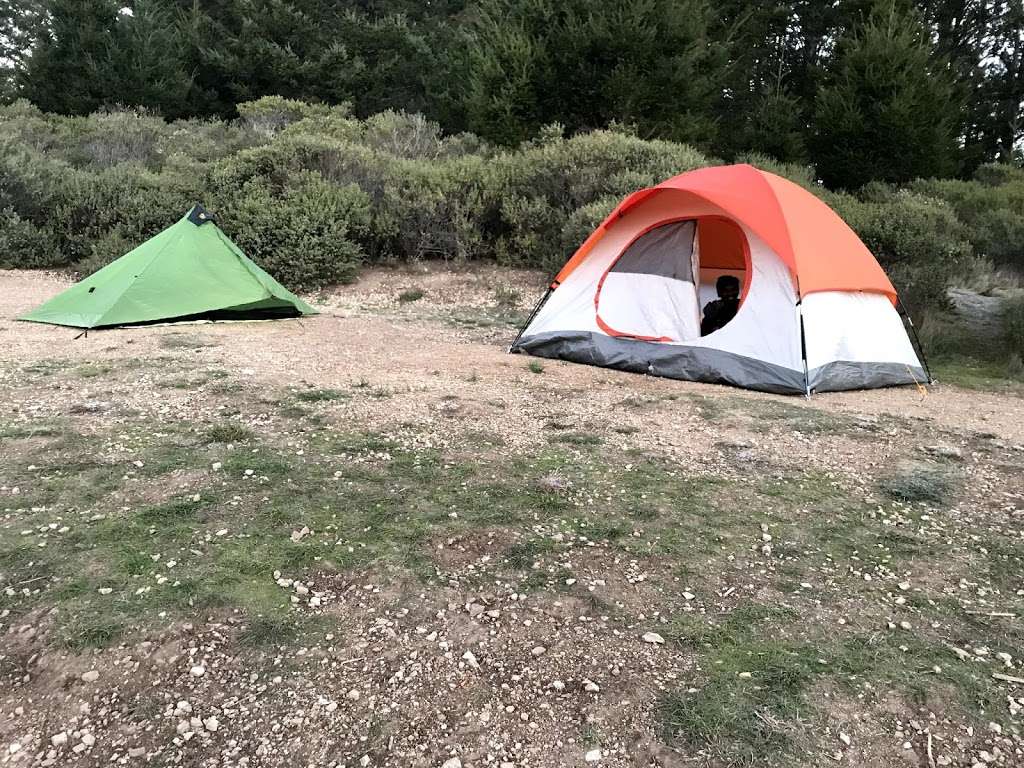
[855, 327]
[649, 305]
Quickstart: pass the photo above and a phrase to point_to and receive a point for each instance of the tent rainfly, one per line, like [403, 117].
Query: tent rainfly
[190, 271]
[816, 311]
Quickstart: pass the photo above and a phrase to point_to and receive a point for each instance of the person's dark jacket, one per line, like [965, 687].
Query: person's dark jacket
[717, 313]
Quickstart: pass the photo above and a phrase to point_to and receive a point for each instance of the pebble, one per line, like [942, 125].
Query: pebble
[353, 695]
[198, 670]
[452, 762]
[59, 739]
[590, 686]
[88, 739]
[653, 637]
[211, 723]
[470, 659]
[844, 738]
[558, 685]
[539, 650]
[91, 676]
[137, 752]
[592, 756]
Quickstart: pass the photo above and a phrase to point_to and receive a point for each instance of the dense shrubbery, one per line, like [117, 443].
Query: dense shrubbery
[311, 192]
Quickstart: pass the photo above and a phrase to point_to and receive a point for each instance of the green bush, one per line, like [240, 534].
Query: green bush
[305, 236]
[310, 192]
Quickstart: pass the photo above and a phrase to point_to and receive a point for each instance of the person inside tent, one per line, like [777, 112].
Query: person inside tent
[719, 312]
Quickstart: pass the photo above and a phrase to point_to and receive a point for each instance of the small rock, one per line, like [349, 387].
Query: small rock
[198, 670]
[654, 638]
[590, 686]
[88, 739]
[216, 466]
[539, 650]
[452, 762]
[558, 685]
[470, 659]
[59, 739]
[592, 756]
[91, 676]
[137, 752]
[844, 738]
[211, 723]
[353, 695]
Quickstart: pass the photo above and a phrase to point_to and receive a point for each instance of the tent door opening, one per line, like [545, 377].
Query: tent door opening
[721, 249]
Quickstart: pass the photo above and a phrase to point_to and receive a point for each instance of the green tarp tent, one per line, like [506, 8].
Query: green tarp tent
[189, 271]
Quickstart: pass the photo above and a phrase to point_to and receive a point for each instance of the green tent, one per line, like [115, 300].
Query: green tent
[189, 271]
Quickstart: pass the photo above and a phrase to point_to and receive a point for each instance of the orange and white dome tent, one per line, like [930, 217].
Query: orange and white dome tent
[817, 312]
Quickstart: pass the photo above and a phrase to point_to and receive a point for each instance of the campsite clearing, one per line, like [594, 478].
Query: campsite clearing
[371, 537]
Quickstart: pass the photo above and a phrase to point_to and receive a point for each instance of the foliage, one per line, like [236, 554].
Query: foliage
[311, 192]
[870, 89]
[888, 111]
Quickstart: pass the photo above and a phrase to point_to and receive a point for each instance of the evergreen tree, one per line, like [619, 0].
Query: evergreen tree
[20, 21]
[889, 109]
[586, 63]
[70, 68]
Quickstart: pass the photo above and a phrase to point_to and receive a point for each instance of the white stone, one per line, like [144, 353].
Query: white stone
[592, 756]
[452, 762]
[91, 676]
[653, 637]
[88, 739]
[844, 738]
[59, 739]
[590, 686]
[353, 695]
[198, 670]
[470, 659]
[558, 685]
[211, 723]
[539, 650]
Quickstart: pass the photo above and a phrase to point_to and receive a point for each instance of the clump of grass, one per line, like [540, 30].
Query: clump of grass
[535, 367]
[918, 483]
[319, 395]
[507, 297]
[577, 438]
[266, 631]
[410, 295]
[229, 433]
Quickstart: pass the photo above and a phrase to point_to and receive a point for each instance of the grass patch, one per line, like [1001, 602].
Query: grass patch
[918, 483]
[229, 432]
[576, 438]
[535, 366]
[320, 395]
[410, 295]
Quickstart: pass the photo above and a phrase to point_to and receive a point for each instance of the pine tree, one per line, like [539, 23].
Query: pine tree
[584, 63]
[889, 109]
[69, 69]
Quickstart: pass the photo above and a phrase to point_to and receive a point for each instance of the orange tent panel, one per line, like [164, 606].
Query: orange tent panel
[820, 249]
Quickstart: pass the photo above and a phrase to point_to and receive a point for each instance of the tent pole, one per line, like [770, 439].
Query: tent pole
[917, 340]
[533, 314]
[803, 349]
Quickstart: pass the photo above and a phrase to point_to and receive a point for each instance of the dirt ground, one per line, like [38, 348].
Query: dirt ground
[465, 668]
